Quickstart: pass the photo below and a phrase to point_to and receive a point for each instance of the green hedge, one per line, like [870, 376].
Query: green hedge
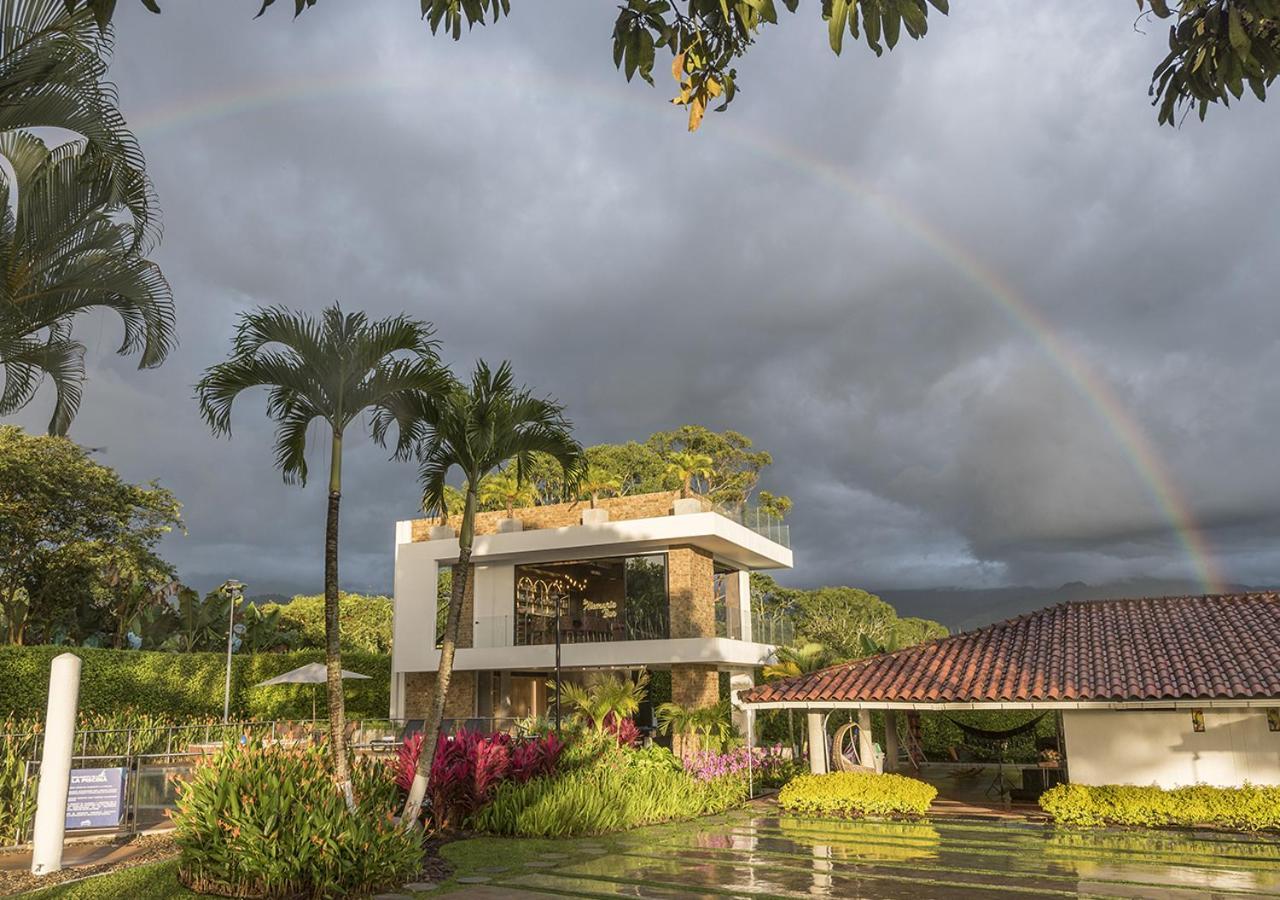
[187, 685]
[1248, 808]
[853, 794]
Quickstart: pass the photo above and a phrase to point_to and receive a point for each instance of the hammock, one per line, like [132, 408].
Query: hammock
[982, 734]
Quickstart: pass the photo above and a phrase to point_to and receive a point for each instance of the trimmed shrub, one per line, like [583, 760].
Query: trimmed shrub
[621, 789]
[853, 794]
[261, 821]
[1248, 808]
[188, 685]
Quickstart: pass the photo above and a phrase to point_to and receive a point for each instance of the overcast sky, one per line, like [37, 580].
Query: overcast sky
[813, 268]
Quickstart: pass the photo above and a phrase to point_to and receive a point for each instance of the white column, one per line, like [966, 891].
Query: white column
[866, 752]
[817, 744]
[744, 604]
[55, 764]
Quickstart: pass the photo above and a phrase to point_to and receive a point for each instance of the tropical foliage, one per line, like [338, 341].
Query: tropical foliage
[503, 489]
[853, 794]
[849, 623]
[705, 728]
[605, 699]
[331, 370]
[723, 466]
[1248, 808]
[468, 767]
[78, 219]
[615, 791]
[78, 544]
[1216, 47]
[262, 821]
[364, 621]
[477, 428]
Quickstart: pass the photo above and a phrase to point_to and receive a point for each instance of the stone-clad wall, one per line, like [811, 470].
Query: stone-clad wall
[561, 515]
[691, 586]
[460, 704]
[695, 686]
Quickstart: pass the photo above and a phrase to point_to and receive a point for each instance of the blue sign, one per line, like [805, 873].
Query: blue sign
[95, 798]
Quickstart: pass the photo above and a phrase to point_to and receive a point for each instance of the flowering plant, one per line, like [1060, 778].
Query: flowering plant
[768, 764]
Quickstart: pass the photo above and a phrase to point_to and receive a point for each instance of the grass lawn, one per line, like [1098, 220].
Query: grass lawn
[154, 881]
[159, 881]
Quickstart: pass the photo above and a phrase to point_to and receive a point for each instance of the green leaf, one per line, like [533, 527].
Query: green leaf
[1236, 32]
[836, 24]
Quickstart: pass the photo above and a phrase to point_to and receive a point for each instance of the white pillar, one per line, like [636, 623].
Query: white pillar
[866, 752]
[817, 744]
[744, 604]
[55, 764]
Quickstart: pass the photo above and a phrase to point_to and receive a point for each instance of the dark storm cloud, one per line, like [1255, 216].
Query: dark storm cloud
[513, 190]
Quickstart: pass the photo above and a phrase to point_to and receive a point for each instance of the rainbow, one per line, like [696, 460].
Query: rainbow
[1094, 390]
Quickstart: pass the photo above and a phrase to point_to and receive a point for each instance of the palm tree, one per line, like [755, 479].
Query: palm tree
[477, 427]
[65, 249]
[793, 662]
[505, 489]
[53, 67]
[610, 696]
[598, 481]
[710, 724]
[685, 466]
[333, 369]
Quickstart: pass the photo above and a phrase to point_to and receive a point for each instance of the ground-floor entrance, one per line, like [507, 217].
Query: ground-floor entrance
[507, 699]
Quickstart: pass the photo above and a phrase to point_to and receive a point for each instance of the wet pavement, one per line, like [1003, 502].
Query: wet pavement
[747, 854]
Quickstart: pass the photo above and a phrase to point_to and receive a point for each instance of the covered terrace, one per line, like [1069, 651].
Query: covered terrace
[1167, 691]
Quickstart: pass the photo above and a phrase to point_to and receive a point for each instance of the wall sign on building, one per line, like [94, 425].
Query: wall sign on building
[95, 798]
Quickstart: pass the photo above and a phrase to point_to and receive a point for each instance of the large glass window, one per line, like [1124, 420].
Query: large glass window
[616, 599]
[728, 604]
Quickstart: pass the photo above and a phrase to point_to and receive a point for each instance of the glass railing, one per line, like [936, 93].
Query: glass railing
[530, 630]
[772, 629]
[761, 521]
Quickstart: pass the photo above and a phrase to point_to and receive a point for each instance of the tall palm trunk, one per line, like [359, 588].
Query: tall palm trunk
[332, 644]
[435, 715]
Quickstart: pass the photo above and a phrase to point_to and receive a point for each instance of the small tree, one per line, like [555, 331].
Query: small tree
[597, 481]
[685, 466]
[478, 428]
[505, 489]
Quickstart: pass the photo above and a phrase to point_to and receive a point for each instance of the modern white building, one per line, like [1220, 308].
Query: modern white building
[641, 582]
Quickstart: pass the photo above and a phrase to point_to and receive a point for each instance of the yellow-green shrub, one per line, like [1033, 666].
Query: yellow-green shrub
[1248, 808]
[856, 794]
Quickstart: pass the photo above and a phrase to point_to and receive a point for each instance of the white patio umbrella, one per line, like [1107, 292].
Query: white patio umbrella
[311, 673]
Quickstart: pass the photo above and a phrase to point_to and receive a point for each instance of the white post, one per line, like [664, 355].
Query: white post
[817, 744]
[55, 764]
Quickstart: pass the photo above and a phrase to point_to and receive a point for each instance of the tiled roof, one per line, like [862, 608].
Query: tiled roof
[1222, 646]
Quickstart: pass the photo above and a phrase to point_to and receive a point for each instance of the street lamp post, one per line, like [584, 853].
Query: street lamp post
[235, 590]
[557, 667]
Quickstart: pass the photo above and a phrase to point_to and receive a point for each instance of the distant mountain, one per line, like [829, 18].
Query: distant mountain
[961, 609]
